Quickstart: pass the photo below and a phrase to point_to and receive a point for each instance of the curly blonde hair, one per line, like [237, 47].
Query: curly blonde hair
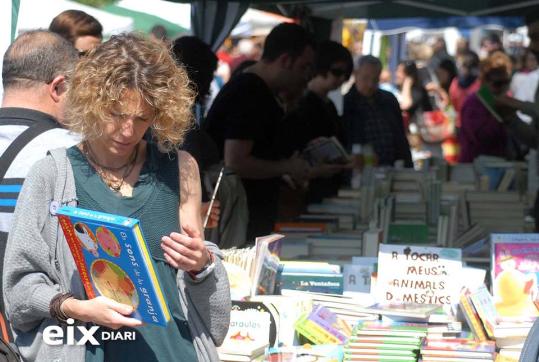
[129, 62]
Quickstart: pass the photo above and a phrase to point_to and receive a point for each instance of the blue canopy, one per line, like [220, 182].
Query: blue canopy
[460, 22]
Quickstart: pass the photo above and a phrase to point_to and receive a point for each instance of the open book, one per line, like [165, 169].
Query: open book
[326, 150]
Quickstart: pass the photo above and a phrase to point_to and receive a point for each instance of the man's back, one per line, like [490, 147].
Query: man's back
[246, 110]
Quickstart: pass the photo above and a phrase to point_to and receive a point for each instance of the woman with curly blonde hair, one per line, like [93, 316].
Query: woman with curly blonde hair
[125, 89]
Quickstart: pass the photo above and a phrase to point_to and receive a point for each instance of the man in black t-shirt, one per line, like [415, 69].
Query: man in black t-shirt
[245, 116]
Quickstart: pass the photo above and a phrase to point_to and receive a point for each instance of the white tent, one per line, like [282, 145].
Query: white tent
[252, 23]
[34, 14]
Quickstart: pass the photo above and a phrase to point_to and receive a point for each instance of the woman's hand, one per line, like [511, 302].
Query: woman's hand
[185, 251]
[102, 311]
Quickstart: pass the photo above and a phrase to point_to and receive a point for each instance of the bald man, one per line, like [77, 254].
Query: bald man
[34, 79]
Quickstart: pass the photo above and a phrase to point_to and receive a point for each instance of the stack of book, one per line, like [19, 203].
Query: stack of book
[321, 326]
[335, 246]
[496, 174]
[510, 337]
[307, 352]
[385, 341]
[497, 211]
[348, 308]
[241, 350]
[457, 350]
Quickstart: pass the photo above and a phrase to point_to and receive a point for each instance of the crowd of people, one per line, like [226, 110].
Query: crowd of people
[125, 126]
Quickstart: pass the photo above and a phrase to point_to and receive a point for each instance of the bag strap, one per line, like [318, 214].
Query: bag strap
[20, 142]
[6, 160]
[3, 329]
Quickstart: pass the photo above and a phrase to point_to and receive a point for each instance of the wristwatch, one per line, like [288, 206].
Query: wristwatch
[206, 270]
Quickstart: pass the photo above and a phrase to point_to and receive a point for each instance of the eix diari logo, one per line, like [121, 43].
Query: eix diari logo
[54, 335]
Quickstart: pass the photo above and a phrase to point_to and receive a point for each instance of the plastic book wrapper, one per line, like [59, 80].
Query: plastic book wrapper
[515, 269]
[113, 260]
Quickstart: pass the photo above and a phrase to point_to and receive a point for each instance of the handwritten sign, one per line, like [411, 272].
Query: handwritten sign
[421, 275]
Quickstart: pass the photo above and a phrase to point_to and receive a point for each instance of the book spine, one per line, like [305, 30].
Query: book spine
[332, 283]
[316, 319]
[483, 316]
[76, 251]
[151, 271]
[472, 318]
[316, 333]
[302, 328]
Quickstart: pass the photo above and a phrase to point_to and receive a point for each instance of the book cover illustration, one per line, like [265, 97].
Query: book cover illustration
[113, 260]
[515, 269]
[264, 270]
[484, 305]
[252, 322]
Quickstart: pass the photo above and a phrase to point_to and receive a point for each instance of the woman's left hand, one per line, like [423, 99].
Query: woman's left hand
[185, 251]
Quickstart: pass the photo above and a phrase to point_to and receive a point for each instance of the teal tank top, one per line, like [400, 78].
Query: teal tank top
[155, 203]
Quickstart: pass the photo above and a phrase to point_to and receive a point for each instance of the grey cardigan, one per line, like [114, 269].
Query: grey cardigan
[38, 265]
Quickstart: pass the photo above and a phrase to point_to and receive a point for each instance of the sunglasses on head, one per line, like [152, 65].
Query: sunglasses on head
[338, 72]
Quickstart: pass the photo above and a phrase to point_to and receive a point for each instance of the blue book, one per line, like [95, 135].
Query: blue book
[113, 260]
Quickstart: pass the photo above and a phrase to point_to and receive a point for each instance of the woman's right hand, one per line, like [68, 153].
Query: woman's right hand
[102, 311]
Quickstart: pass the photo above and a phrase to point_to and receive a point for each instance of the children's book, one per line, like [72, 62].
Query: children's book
[113, 260]
[515, 271]
[484, 305]
[268, 249]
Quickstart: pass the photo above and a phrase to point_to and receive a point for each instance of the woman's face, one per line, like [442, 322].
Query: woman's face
[498, 82]
[86, 43]
[443, 76]
[336, 75]
[129, 121]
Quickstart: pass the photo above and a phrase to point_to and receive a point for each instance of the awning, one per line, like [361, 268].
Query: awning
[38, 14]
[379, 9]
[144, 22]
[460, 22]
